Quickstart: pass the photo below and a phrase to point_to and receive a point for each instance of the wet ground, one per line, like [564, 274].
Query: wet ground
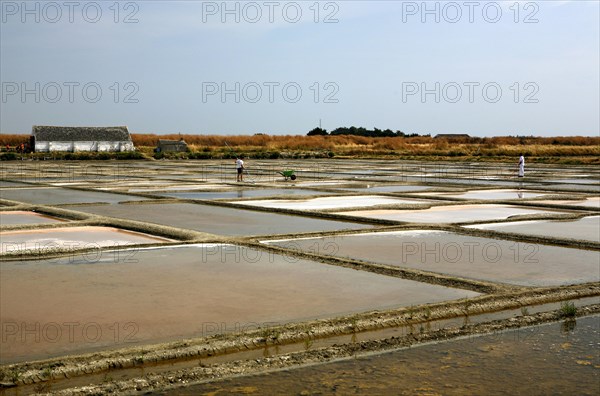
[350, 247]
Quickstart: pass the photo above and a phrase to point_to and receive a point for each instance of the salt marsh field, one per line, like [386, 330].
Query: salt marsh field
[170, 277]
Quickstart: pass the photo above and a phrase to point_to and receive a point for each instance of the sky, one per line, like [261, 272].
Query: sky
[282, 67]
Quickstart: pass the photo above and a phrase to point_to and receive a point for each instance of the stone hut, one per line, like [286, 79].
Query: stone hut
[57, 138]
[452, 136]
[171, 146]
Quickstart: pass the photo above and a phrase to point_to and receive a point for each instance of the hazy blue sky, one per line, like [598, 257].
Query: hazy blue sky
[488, 68]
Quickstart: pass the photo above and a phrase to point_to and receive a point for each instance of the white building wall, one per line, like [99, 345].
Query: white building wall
[84, 146]
[41, 147]
[108, 146]
[60, 146]
[126, 146]
[44, 147]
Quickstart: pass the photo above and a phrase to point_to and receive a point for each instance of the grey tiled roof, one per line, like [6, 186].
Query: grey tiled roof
[69, 134]
[452, 135]
[166, 142]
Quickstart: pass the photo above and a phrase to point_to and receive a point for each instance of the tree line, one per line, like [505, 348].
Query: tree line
[360, 131]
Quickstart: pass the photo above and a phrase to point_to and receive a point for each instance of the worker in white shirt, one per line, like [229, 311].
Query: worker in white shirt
[239, 165]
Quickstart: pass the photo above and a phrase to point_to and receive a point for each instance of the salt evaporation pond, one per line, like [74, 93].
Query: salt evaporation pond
[219, 220]
[19, 217]
[333, 202]
[161, 294]
[493, 194]
[592, 202]
[57, 195]
[451, 214]
[460, 255]
[586, 228]
[243, 193]
[71, 238]
[390, 189]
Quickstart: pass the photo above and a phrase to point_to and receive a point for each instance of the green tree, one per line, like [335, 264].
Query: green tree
[317, 131]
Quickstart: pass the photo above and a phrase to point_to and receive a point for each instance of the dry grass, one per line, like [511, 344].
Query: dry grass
[542, 149]
[13, 140]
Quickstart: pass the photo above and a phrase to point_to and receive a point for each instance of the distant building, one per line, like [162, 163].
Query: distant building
[452, 136]
[171, 146]
[57, 138]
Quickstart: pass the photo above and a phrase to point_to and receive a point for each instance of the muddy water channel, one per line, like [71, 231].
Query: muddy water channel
[556, 358]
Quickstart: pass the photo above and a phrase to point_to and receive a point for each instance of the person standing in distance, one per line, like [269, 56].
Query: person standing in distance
[239, 165]
[521, 165]
[521, 172]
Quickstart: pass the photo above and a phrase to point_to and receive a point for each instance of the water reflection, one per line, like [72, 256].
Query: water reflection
[568, 326]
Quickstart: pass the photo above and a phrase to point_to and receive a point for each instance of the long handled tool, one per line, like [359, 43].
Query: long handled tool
[230, 149]
[237, 156]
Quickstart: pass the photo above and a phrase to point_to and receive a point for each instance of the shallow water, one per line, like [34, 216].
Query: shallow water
[493, 194]
[178, 187]
[56, 195]
[390, 189]
[219, 220]
[144, 186]
[164, 294]
[243, 193]
[461, 255]
[333, 202]
[555, 358]
[6, 183]
[496, 181]
[72, 238]
[586, 228]
[575, 180]
[327, 184]
[451, 214]
[593, 202]
[25, 217]
[592, 188]
[152, 295]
